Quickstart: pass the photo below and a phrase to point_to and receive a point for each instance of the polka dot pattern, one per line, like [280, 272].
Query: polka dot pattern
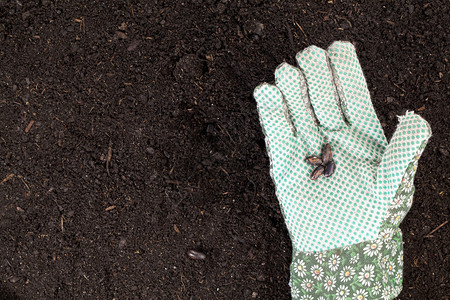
[352, 89]
[314, 64]
[410, 134]
[293, 86]
[305, 109]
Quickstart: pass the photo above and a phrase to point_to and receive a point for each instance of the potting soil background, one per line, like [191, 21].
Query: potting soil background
[129, 136]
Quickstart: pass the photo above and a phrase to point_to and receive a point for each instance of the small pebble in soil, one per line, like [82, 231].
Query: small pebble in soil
[122, 243]
[14, 279]
[253, 29]
[197, 255]
[390, 99]
[133, 45]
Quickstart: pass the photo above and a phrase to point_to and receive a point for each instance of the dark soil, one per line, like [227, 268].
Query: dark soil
[129, 135]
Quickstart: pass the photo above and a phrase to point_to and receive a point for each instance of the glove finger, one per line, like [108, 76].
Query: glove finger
[272, 113]
[293, 86]
[353, 93]
[412, 131]
[322, 92]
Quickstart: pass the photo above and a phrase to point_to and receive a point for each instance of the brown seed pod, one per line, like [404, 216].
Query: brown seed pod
[313, 160]
[326, 154]
[329, 169]
[196, 255]
[317, 172]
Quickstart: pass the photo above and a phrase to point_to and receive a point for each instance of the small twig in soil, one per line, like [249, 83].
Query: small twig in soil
[225, 171]
[436, 229]
[399, 87]
[110, 208]
[21, 178]
[29, 126]
[108, 158]
[298, 25]
[224, 130]
[7, 178]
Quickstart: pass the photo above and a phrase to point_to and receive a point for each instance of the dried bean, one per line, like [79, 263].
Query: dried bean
[326, 154]
[329, 169]
[313, 160]
[317, 172]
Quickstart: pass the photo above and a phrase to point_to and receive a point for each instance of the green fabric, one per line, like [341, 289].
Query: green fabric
[326, 100]
[344, 228]
[368, 270]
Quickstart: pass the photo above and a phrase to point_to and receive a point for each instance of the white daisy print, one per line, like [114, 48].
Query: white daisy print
[387, 234]
[366, 275]
[410, 201]
[388, 214]
[390, 244]
[398, 276]
[342, 292]
[376, 289]
[306, 297]
[334, 261]
[354, 259]
[360, 295]
[381, 260]
[299, 267]
[317, 272]
[397, 218]
[330, 283]
[396, 290]
[295, 292]
[347, 247]
[390, 267]
[398, 201]
[394, 250]
[371, 249]
[347, 274]
[386, 293]
[408, 187]
[400, 259]
[406, 178]
[320, 257]
[321, 298]
[307, 285]
[385, 277]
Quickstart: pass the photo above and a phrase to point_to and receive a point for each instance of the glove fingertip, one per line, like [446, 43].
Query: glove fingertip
[405, 146]
[264, 92]
[414, 127]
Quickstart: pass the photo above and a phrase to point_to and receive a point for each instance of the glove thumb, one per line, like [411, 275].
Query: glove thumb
[412, 131]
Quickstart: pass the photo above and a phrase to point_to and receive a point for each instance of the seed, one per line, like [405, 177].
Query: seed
[326, 154]
[317, 172]
[196, 255]
[313, 160]
[329, 169]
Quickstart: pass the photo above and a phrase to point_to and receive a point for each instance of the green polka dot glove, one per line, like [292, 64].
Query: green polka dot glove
[342, 210]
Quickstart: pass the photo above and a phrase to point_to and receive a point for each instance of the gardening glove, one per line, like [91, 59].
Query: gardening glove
[343, 190]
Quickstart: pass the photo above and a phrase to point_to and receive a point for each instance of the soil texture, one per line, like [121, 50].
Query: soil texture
[130, 142]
